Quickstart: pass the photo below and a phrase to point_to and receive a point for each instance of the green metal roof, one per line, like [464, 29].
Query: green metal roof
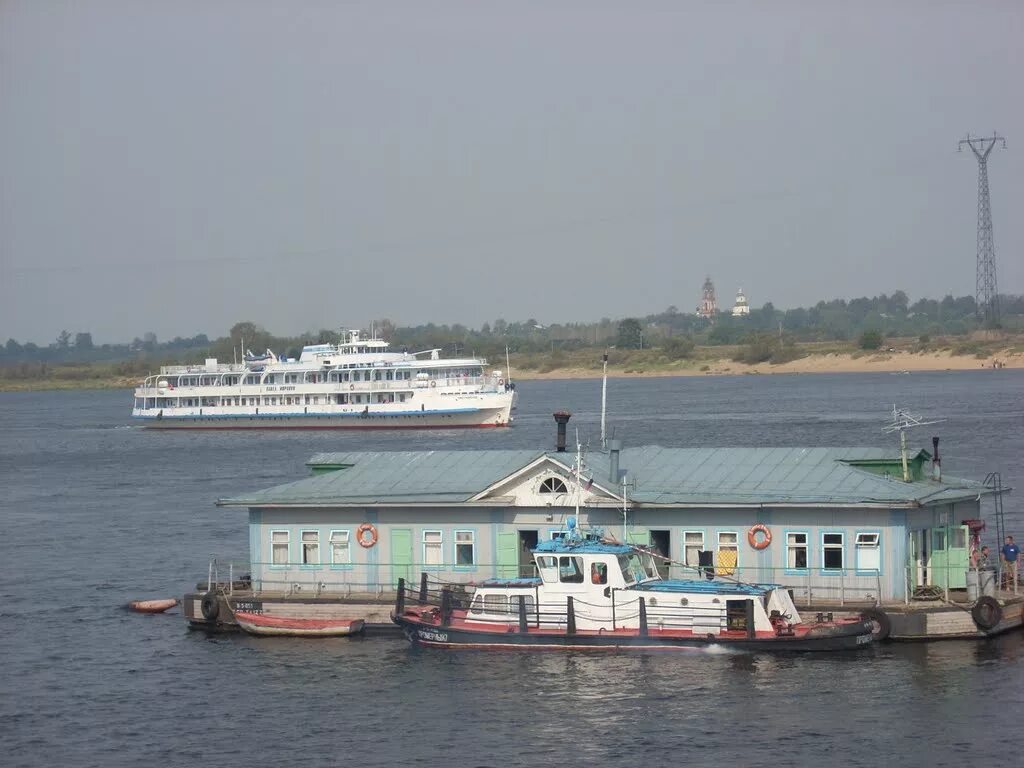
[662, 476]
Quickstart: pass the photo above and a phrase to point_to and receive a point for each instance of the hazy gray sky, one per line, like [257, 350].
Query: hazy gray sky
[179, 166]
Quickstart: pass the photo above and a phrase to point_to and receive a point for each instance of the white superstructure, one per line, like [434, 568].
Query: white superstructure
[357, 384]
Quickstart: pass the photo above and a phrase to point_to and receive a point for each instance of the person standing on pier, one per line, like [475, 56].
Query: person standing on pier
[1010, 555]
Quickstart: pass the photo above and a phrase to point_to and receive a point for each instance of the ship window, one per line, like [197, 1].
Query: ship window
[598, 573]
[570, 570]
[553, 485]
[548, 567]
[432, 548]
[796, 550]
[496, 603]
[311, 547]
[279, 547]
[341, 554]
[465, 548]
[693, 542]
[832, 551]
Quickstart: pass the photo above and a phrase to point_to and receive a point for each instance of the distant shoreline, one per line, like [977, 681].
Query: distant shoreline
[874, 362]
[870, 362]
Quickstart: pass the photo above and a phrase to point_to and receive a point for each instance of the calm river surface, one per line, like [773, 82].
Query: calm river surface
[96, 512]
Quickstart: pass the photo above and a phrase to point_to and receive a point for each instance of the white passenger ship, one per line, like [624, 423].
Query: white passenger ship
[357, 384]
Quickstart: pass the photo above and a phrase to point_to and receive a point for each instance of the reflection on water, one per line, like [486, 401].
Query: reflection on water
[96, 515]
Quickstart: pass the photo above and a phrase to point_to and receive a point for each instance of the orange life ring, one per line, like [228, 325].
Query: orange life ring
[752, 539]
[361, 535]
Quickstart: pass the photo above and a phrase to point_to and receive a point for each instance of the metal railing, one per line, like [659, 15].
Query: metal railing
[809, 587]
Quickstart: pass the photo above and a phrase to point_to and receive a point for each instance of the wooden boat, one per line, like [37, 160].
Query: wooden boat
[152, 606]
[259, 624]
[597, 595]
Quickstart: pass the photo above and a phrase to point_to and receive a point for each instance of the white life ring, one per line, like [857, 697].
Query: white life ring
[501, 382]
[433, 383]
[351, 386]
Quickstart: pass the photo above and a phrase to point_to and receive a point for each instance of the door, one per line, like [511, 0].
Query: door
[938, 558]
[639, 536]
[957, 556]
[401, 557]
[508, 555]
[661, 541]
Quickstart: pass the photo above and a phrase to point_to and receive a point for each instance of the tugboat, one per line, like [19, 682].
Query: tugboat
[595, 594]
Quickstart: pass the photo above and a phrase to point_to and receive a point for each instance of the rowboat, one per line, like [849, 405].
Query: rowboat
[152, 606]
[259, 624]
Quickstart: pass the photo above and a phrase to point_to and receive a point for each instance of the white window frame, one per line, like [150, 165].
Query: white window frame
[793, 546]
[868, 541]
[687, 545]
[338, 537]
[310, 545]
[434, 546]
[840, 547]
[274, 544]
[471, 543]
[547, 488]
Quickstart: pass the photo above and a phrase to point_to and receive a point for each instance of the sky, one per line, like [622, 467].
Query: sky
[177, 167]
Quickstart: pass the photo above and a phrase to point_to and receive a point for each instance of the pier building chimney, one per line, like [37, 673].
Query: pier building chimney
[936, 461]
[614, 448]
[561, 419]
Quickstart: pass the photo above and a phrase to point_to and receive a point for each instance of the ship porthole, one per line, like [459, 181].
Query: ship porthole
[683, 601]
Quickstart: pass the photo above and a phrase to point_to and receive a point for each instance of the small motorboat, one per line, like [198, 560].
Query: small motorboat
[260, 624]
[152, 606]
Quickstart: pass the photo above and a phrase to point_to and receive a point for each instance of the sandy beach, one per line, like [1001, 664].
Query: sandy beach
[880, 362]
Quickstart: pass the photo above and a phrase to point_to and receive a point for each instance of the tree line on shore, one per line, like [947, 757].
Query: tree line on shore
[766, 334]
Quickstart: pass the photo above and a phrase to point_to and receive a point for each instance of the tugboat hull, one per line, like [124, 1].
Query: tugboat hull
[846, 636]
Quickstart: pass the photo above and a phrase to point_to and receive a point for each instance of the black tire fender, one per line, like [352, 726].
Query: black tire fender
[881, 621]
[987, 612]
[210, 606]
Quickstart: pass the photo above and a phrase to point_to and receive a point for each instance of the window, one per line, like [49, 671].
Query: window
[570, 570]
[311, 547]
[796, 551]
[693, 544]
[553, 485]
[939, 540]
[341, 554]
[465, 548]
[496, 603]
[728, 552]
[598, 573]
[432, 551]
[548, 567]
[868, 552]
[832, 551]
[279, 547]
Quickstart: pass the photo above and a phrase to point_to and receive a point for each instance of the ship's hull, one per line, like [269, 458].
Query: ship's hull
[484, 417]
[843, 637]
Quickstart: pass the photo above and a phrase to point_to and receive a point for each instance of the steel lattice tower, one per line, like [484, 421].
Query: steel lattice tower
[986, 288]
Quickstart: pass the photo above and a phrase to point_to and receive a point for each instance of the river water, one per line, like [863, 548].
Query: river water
[97, 512]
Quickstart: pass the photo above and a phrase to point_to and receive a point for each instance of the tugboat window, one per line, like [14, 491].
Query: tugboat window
[570, 570]
[553, 485]
[548, 566]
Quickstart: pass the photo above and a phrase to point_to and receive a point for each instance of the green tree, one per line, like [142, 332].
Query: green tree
[629, 334]
[678, 347]
[63, 339]
[870, 340]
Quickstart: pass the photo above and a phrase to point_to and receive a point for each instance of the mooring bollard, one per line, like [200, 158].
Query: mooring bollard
[400, 598]
[446, 606]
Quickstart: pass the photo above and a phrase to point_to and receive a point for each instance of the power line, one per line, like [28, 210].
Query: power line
[986, 288]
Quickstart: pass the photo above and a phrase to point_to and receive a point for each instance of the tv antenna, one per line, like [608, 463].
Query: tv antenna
[902, 420]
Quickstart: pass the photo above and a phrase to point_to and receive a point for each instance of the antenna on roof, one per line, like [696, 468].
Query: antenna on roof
[604, 403]
[902, 420]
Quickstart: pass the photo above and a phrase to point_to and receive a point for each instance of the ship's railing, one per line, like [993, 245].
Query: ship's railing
[839, 587]
[435, 599]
